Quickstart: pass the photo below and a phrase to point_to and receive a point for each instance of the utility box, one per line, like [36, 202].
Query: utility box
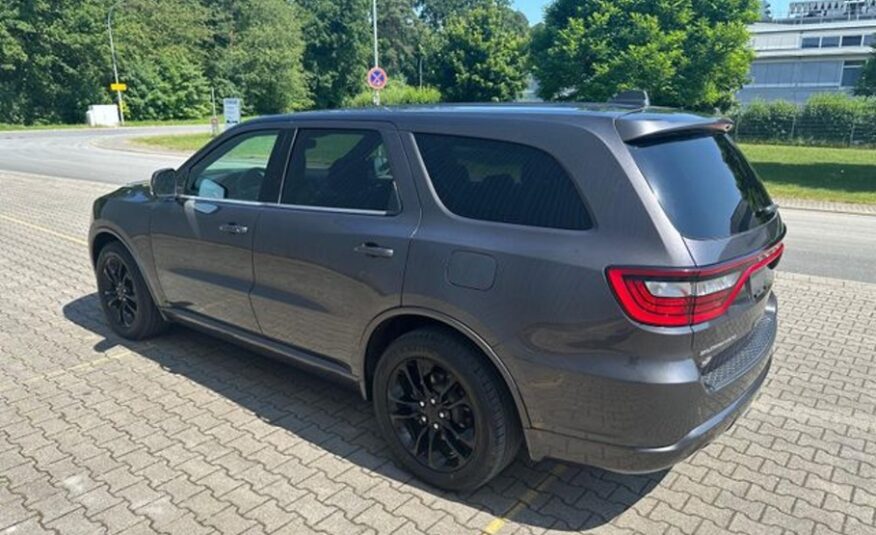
[102, 115]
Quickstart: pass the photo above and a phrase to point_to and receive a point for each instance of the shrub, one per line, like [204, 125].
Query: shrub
[397, 93]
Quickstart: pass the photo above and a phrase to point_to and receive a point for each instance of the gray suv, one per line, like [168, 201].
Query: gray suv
[590, 282]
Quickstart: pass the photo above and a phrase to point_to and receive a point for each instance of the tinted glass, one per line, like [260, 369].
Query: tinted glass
[851, 40]
[347, 169]
[704, 184]
[830, 42]
[499, 181]
[852, 73]
[236, 170]
[811, 42]
[870, 40]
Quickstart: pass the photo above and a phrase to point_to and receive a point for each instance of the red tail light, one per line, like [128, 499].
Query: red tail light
[684, 296]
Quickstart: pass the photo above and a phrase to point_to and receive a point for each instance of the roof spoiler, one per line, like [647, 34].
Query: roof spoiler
[632, 97]
[644, 126]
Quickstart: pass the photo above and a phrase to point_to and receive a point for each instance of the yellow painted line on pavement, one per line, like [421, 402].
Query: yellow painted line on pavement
[61, 235]
[526, 500]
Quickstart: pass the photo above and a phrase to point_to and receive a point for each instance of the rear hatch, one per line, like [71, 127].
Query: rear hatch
[731, 227]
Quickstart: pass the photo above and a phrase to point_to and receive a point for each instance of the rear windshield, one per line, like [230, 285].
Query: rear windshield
[704, 185]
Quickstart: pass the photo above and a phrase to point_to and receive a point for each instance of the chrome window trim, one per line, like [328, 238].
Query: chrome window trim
[322, 209]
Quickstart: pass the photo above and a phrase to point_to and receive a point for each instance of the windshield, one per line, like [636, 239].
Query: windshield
[704, 185]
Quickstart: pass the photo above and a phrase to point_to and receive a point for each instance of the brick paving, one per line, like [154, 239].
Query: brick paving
[187, 434]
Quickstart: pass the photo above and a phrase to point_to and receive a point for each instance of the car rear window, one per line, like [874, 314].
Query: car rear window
[500, 181]
[704, 184]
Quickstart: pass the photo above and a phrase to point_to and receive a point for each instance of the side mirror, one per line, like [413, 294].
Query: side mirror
[163, 183]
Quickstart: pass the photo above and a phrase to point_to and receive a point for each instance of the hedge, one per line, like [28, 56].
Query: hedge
[825, 119]
[397, 93]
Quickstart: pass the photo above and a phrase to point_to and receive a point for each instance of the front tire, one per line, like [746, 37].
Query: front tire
[444, 410]
[124, 296]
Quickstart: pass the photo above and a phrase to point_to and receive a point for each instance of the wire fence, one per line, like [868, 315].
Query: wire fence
[801, 129]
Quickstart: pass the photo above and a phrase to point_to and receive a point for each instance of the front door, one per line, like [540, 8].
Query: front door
[202, 240]
[332, 255]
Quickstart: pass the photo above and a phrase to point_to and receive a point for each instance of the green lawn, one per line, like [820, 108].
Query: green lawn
[171, 122]
[816, 173]
[177, 142]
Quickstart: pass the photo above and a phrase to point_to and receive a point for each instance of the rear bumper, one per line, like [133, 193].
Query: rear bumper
[629, 459]
[646, 426]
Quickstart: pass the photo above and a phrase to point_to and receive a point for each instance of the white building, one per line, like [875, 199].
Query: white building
[821, 47]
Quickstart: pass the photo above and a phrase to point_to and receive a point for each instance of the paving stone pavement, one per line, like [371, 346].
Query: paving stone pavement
[187, 434]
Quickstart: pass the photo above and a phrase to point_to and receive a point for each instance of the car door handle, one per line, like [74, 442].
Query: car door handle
[374, 250]
[234, 228]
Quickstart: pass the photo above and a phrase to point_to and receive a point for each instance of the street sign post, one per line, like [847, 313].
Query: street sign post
[231, 110]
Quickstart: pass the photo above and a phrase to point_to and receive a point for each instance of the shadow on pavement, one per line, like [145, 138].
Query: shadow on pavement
[336, 419]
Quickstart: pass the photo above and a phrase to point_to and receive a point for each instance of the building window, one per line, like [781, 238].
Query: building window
[811, 42]
[830, 42]
[851, 73]
[870, 40]
[851, 40]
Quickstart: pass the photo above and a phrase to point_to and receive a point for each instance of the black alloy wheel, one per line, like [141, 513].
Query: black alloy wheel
[118, 291]
[444, 410]
[432, 414]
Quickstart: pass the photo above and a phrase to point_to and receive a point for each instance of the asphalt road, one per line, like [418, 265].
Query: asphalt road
[826, 244]
[85, 154]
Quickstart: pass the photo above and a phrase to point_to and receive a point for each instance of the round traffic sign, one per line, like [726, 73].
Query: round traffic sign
[377, 78]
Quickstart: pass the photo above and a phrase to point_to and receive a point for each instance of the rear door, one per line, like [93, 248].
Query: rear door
[331, 256]
[202, 240]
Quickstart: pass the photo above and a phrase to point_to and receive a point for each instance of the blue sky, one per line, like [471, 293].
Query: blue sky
[533, 8]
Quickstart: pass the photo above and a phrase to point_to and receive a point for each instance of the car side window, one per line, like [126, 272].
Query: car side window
[236, 170]
[346, 169]
[499, 181]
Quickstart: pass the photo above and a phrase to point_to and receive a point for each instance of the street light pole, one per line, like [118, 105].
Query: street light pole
[376, 62]
[109, 27]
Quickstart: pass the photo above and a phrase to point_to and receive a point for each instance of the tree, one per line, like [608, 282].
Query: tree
[337, 37]
[263, 59]
[686, 53]
[867, 82]
[436, 12]
[402, 37]
[482, 56]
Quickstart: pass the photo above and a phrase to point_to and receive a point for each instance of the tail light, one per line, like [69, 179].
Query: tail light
[685, 296]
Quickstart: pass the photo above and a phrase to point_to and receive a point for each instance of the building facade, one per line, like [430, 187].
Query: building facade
[819, 47]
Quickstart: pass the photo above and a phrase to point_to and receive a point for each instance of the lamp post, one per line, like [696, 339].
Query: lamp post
[376, 63]
[109, 27]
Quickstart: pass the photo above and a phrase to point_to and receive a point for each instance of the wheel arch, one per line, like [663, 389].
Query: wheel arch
[396, 322]
[103, 236]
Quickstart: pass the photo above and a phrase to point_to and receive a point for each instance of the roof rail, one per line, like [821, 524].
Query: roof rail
[632, 97]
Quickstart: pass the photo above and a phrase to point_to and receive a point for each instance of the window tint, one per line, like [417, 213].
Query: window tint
[340, 169]
[235, 170]
[811, 42]
[499, 181]
[704, 185]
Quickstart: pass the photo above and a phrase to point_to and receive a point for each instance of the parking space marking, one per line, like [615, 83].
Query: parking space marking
[61, 235]
[525, 501]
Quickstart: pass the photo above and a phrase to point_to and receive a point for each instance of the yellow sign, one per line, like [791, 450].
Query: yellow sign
[118, 87]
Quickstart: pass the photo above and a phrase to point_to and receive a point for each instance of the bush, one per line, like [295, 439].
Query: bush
[397, 93]
[825, 119]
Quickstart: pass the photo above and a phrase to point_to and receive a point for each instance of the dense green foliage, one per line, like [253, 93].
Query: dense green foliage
[866, 84]
[481, 56]
[397, 93]
[277, 55]
[825, 119]
[684, 52]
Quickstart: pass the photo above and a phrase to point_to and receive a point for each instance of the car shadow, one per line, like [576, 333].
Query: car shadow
[547, 494]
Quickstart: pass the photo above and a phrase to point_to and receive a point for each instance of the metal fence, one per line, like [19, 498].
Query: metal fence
[804, 129]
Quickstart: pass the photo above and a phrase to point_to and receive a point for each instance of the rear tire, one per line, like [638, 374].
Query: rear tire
[444, 410]
[124, 296]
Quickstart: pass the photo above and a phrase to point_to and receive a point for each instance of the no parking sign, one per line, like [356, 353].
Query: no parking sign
[377, 78]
